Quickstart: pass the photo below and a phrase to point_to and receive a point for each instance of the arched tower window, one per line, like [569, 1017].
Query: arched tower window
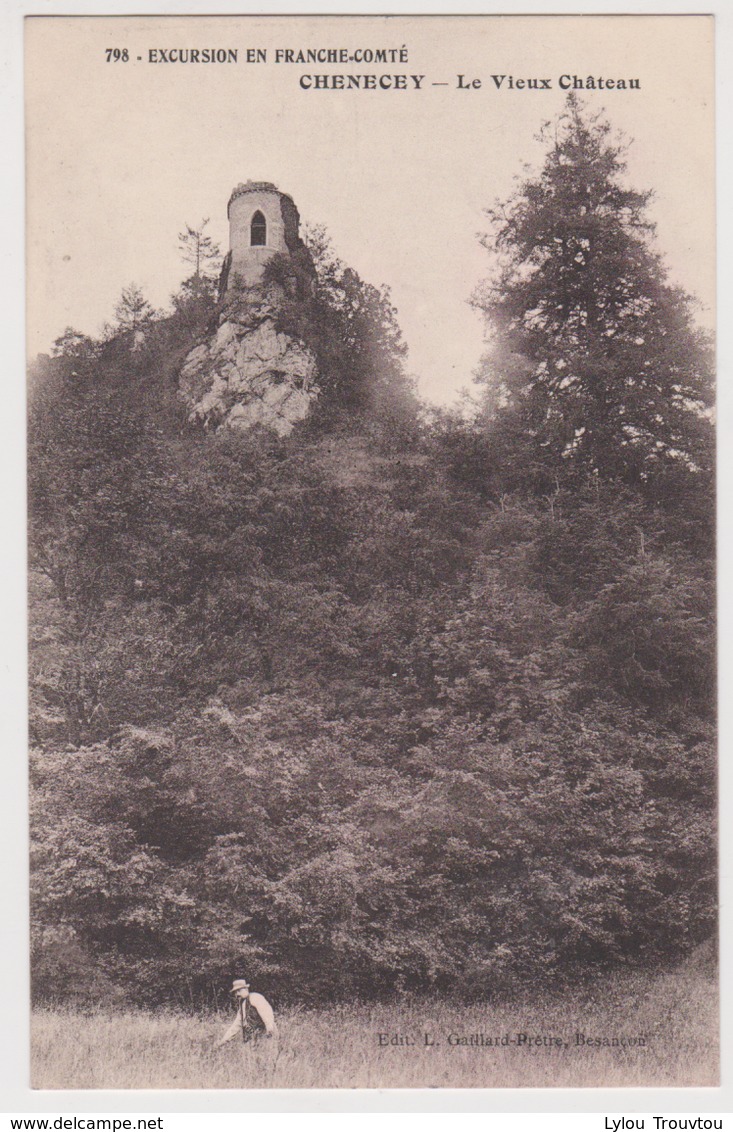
[258, 231]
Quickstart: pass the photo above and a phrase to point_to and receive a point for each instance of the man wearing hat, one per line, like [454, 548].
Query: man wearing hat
[254, 1015]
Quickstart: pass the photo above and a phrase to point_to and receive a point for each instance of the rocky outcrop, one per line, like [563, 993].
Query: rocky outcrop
[248, 372]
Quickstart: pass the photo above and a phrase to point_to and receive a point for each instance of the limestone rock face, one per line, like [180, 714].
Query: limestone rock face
[248, 372]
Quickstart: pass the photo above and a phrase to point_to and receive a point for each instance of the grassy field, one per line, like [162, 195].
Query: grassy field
[675, 1015]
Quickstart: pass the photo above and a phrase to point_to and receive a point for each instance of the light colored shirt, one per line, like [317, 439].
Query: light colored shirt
[259, 1005]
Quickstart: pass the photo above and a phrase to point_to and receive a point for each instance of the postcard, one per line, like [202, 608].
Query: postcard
[371, 464]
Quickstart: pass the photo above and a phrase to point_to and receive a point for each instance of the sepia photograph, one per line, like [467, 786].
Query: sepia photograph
[372, 552]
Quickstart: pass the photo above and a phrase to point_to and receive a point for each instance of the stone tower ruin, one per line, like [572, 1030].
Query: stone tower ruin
[249, 370]
[262, 222]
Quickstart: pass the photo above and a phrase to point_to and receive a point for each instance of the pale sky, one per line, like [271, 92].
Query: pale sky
[122, 155]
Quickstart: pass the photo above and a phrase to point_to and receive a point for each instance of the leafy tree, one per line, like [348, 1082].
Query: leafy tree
[595, 360]
[73, 344]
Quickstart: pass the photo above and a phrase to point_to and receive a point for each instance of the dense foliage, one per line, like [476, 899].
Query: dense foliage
[352, 329]
[385, 705]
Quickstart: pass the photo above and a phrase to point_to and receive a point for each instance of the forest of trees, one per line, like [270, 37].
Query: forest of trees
[409, 700]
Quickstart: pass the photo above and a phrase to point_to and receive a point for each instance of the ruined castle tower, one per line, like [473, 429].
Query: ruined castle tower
[262, 221]
[250, 371]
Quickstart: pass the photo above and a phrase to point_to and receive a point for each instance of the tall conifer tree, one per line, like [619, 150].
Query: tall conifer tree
[595, 359]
